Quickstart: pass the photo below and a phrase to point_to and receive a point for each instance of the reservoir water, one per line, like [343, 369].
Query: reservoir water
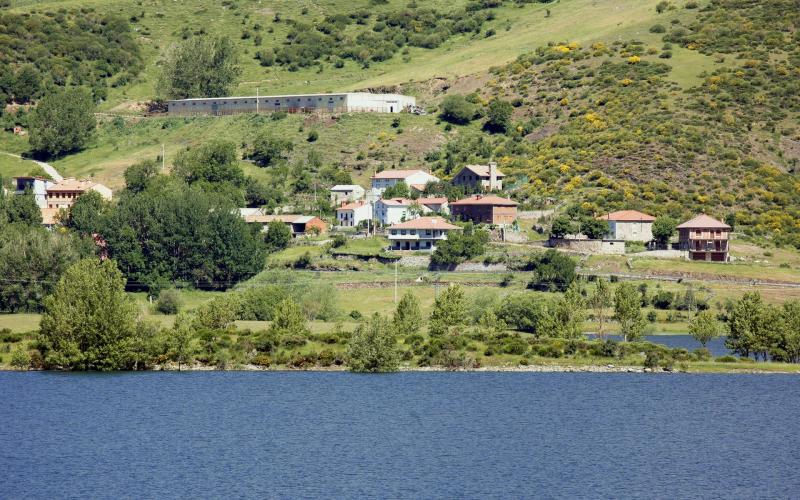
[406, 435]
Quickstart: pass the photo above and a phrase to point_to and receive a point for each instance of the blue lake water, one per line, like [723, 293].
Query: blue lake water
[716, 345]
[408, 435]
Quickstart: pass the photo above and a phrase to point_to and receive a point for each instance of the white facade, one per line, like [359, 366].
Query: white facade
[36, 185]
[388, 178]
[395, 211]
[630, 230]
[297, 103]
[352, 214]
[346, 192]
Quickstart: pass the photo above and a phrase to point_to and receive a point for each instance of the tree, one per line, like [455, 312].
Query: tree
[278, 236]
[788, 345]
[704, 327]
[21, 358]
[449, 310]
[460, 246]
[268, 150]
[26, 84]
[594, 229]
[599, 301]
[214, 162]
[456, 109]
[288, 320]
[663, 229]
[407, 317]
[373, 347]
[562, 226]
[88, 319]
[179, 344]
[398, 190]
[749, 325]
[85, 215]
[523, 312]
[62, 122]
[567, 314]
[498, 116]
[553, 271]
[628, 312]
[173, 232]
[32, 260]
[199, 67]
[218, 313]
[138, 175]
[23, 209]
[169, 301]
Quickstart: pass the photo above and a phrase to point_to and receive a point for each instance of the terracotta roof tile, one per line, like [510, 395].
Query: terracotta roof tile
[703, 221]
[486, 200]
[628, 216]
[425, 223]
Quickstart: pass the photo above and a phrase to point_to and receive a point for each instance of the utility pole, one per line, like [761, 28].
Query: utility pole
[395, 282]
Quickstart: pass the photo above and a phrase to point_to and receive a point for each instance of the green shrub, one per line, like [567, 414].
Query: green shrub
[169, 301]
[727, 359]
[658, 28]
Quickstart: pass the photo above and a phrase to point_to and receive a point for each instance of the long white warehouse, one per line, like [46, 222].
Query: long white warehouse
[300, 103]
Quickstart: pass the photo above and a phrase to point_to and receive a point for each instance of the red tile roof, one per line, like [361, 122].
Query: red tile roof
[352, 205]
[396, 174]
[397, 202]
[486, 200]
[628, 216]
[425, 223]
[703, 221]
[432, 201]
[72, 185]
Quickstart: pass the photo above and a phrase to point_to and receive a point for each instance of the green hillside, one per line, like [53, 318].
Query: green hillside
[670, 107]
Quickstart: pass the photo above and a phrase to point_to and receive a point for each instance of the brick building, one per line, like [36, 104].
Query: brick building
[487, 209]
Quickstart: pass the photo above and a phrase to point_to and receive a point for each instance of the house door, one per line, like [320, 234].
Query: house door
[407, 245]
[391, 109]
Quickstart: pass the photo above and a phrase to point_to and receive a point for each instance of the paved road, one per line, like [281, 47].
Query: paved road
[52, 172]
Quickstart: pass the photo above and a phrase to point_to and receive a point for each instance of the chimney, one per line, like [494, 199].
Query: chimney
[492, 175]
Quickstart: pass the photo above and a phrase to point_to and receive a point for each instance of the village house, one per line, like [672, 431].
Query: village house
[353, 213]
[629, 225]
[63, 194]
[438, 205]
[37, 186]
[415, 179]
[704, 238]
[396, 210]
[298, 224]
[487, 209]
[346, 192]
[485, 177]
[419, 234]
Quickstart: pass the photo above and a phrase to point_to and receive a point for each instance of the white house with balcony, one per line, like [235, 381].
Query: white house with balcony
[353, 213]
[419, 234]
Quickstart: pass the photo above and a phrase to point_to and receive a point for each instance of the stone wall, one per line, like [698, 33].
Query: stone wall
[599, 247]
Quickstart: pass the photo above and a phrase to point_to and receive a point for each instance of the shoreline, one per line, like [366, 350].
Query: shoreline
[609, 368]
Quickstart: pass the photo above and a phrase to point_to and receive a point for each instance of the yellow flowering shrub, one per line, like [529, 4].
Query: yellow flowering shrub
[634, 59]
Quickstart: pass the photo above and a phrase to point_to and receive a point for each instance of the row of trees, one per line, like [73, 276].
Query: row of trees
[90, 322]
